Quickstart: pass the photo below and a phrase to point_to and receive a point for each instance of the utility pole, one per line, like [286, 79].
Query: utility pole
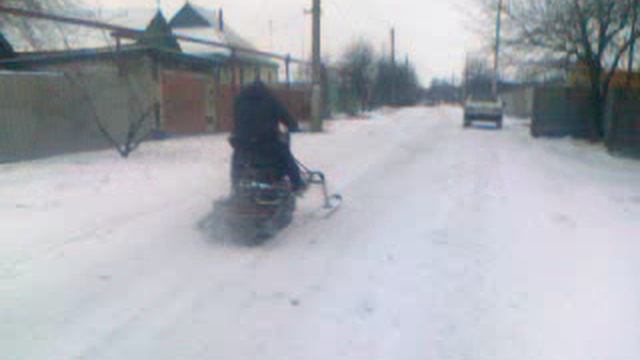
[465, 77]
[316, 93]
[270, 35]
[393, 46]
[287, 65]
[496, 57]
[393, 66]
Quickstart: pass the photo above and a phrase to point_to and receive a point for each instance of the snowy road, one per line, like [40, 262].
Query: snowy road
[452, 244]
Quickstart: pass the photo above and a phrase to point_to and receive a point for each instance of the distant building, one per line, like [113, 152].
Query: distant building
[442, 91]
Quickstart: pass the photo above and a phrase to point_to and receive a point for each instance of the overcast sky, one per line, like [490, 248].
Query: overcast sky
[431, 32]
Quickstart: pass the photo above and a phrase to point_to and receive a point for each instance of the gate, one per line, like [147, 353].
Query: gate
[184, 102]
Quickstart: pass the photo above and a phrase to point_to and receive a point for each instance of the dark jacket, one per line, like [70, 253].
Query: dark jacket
[257, 113]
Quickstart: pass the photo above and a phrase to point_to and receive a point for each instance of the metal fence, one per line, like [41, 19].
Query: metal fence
[561, 111]
[623, 123]
[518, 102]
[49, 113]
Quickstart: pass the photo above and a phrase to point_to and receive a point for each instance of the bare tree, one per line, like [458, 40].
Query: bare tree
[40, 34]
[138, 129]
[632, 34]
[478, 78]
[359, 63]
[593, 34]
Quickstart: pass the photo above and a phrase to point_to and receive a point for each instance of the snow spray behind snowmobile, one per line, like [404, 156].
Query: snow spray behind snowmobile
[262, 201]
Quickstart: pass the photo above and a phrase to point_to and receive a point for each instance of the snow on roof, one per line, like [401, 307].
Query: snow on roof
[184, 23]
[206, 34]
[64, 37]
[212, 32]
[136, 17]
[139, 18]
[210, 15]
[50, 36]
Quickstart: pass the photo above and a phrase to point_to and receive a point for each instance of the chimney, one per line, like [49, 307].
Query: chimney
[221, 20]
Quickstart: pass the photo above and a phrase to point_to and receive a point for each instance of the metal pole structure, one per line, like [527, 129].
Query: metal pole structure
[393, 65]
[393, 46]
[465, 76]
[496, 57]
[316, 93]
[129, 33]
[287, 69]
[234, 74]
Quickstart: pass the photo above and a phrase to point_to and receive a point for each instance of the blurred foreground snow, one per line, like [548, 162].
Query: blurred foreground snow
[452, 244]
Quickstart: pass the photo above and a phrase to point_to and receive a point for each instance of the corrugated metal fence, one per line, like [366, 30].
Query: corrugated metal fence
[296, 99]
[623, 123]
[518, 102]
[562, 111]
[44, 114]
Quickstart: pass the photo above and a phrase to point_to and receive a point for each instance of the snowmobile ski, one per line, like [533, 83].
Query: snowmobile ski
[332, 202]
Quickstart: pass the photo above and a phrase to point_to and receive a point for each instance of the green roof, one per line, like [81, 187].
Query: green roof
[187, 17]
[6, 50]
[158, 34]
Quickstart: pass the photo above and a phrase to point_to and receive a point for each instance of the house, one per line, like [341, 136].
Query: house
[66, 93]
[209, 24]
[240, 67]
[178, 87]
[158, 35]
[193, 82]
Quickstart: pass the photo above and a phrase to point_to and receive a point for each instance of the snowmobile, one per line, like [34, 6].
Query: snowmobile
[262, 202]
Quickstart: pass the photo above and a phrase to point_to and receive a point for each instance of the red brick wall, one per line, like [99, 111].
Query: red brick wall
[224, 107]
[297, 101]
[184, 102]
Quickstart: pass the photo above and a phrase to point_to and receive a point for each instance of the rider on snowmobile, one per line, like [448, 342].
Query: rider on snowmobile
[257, 115]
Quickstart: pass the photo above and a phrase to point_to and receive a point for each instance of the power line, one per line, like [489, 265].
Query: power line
[125, 32]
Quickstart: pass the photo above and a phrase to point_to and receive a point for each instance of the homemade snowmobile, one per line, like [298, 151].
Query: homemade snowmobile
[262, 201]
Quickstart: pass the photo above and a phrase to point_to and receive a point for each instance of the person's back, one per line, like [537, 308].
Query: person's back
[257, 113]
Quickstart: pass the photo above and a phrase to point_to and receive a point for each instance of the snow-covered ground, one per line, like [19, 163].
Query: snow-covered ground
[451, 244]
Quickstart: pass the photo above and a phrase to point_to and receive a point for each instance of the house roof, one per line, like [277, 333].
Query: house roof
[194, 16]
[196, 22]
[6, 50]
[26, 60]
[130, 17]
[44, 35]
[201, 23]
[190, 21]
[158, 34]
